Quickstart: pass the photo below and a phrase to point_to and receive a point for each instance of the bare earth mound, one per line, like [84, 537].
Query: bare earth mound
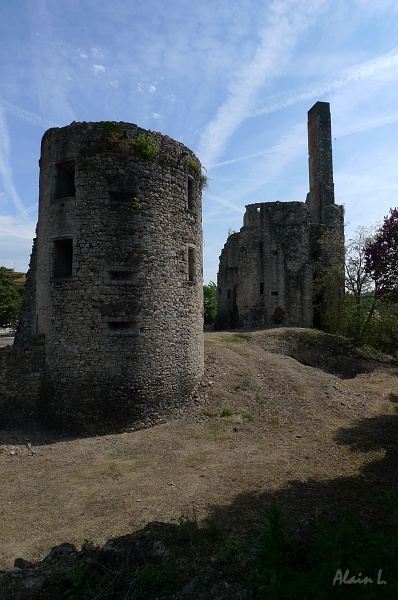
[316, 435]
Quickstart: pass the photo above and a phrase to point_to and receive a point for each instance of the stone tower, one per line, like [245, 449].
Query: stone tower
[115, 282]
[267, 270]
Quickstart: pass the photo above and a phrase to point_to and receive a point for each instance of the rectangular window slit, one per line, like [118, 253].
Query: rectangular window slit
[274, 293]
[121, 275]
[121, 197]
[191, 189]
[65, 179]
[261, 288]
[120, 325]
[191, 264]
[62, 258]
[121, 328]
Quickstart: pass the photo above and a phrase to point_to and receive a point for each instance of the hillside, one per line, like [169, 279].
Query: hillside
[317, 436]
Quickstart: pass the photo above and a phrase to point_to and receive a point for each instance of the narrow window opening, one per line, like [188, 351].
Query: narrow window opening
[65, 179]
[219, 291]
[191, 189]
[274, 293]
[191, 264]
[258, 209]
[274, 252]
[121, 275]
[120, 325]
[261, 247]
[62, 258]
[123, 328]
[228, 294]
[121, 197]
[261, 288]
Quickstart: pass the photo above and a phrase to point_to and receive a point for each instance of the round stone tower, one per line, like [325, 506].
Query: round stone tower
[118, 275]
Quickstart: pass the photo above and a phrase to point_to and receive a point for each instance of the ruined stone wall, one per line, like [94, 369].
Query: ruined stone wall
[265, 274]
[21, 381]
[27, 326]
[118, 286]
[269, 272]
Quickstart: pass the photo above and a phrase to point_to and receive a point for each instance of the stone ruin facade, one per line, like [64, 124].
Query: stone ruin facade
[111, 329]
[267, 269]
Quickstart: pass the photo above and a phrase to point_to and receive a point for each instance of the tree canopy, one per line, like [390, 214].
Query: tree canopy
[381, 258]
[11, 295]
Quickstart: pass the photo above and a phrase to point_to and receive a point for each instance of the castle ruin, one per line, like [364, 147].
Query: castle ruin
[111, 329]
[267, 269]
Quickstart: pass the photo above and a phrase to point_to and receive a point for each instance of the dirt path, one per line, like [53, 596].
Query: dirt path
[296, 434]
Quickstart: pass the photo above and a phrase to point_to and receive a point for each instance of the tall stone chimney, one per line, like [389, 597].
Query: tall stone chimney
[321, 194]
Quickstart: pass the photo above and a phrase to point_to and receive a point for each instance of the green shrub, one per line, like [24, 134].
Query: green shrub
[226, 412]
[110, 126]
[146, 146]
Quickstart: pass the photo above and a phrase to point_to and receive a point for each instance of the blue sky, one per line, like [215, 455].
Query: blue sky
[231, 80]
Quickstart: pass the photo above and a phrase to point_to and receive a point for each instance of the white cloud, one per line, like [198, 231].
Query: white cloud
[98, 68]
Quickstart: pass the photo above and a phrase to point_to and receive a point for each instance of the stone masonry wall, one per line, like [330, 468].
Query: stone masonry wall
[22, 371]
[265, 274]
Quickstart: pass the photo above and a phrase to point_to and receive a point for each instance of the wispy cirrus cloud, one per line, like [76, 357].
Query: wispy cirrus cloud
[356, 73]
[287, 20]
[6, 173]
[50, 73]
[27, 115]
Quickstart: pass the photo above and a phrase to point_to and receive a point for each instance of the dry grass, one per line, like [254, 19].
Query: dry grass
[313, 440]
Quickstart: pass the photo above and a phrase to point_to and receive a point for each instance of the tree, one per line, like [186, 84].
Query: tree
[11, 295]
[360, 298]
[367, 315]
[210, 302]
[381, 258]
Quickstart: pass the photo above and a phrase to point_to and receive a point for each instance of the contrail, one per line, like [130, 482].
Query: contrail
[356, 73]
